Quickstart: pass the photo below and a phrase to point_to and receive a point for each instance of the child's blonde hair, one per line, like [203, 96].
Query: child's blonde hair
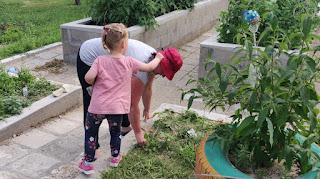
[113, 34]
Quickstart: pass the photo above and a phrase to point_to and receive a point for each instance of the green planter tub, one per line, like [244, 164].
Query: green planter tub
[212, 162]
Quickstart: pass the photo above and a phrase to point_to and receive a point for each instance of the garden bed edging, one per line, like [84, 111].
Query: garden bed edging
[39, 112]
[222, 52]
[175, 28]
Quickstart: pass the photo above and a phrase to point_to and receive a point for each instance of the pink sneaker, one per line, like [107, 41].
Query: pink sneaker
[114, 162]
[85, 169]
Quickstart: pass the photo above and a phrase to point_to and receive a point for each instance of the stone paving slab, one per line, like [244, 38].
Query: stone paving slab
[61, 126]
[47, 54]
[191, 61]
[75, 115]
[9, 175]
[65, 149]
[33, 164]
[9, 153]
[34, 138]
[187, 67]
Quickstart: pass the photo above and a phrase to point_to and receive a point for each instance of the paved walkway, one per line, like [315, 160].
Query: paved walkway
[54, 148]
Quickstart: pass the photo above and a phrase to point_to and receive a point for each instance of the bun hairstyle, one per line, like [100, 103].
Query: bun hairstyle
[113, 34]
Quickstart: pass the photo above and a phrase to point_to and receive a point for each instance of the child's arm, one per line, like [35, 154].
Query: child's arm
[151, 65]
[90, 77]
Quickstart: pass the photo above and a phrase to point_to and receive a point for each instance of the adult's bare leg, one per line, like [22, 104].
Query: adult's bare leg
[137, 87]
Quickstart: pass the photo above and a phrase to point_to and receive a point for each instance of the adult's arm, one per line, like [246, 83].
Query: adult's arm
[146, 97]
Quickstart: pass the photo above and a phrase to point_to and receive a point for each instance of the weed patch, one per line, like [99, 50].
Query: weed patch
[12, 97]
[10, 32]
[170, 151]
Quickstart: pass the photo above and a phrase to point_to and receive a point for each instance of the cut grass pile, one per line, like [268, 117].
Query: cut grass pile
[170, 151]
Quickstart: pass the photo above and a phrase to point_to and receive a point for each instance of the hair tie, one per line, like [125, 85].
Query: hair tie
[106, 30]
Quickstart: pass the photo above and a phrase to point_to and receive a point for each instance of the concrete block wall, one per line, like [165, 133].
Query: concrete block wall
[222, 53]
[175, 28]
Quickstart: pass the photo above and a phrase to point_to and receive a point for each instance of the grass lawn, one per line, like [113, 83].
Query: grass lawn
[170, 151]
[27, 25]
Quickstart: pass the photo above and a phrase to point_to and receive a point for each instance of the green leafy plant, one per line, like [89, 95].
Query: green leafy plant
[12, 100]
[277, 99]
[134, 12]
[289, 14]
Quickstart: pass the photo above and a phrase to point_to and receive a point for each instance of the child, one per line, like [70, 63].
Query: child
[111, 75]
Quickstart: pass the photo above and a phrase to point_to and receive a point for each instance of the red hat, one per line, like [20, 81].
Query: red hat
[171, 63]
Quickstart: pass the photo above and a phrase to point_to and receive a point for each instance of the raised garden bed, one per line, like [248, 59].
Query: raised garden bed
[175, 28]
[39, 93]
[220, 52]
[39, 111]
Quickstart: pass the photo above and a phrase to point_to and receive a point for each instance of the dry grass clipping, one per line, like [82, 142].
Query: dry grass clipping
[53, 66]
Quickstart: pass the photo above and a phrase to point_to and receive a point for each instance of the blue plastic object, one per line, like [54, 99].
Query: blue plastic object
[251, 17]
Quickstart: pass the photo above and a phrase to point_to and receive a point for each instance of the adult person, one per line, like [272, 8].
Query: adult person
[111, 75]
[141, 83]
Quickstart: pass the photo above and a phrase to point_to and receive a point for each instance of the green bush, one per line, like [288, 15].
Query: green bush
[277, 100]
[234, 29]
[134, 12]
[12, 105]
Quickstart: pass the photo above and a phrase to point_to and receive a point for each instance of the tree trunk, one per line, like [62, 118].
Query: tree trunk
[78, 2]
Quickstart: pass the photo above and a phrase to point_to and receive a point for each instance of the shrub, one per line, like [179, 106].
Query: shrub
[134, 12]
[277, 101]
[289, 14]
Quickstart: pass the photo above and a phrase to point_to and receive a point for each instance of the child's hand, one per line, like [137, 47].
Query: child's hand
[160, 56]
[90, 90]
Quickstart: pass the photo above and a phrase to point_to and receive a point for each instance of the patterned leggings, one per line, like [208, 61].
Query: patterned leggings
[92, 125]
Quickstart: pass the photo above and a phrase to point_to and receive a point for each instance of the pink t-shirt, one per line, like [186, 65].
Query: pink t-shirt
[112, 89]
